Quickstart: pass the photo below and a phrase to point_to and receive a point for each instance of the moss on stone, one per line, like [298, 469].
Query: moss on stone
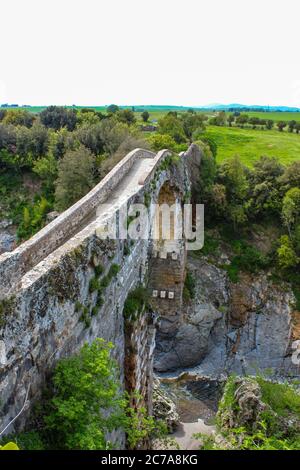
[6, 310]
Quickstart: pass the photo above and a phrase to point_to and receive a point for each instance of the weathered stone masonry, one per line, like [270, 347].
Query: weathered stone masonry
[48, 308]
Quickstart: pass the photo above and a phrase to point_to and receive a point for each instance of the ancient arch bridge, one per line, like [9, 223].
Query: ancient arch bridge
[50, 303]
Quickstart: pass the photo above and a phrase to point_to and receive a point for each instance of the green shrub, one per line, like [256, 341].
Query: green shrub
[189, 286]
[85, 317]
[99, 270]
[100, 300]
[94, 284]
[88, 403]
[78, 306]
[105, 281]
[94, 311]
[269, 433]
[135, 303]
[113, 271]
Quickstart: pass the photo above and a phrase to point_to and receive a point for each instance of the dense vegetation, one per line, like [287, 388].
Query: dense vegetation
[239, 200]
[274, 425]
[84, 404]
[50, 159]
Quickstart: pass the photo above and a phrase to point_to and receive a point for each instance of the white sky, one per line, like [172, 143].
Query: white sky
[183, 52]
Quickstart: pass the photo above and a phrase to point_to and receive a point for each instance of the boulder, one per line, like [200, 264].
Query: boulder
[164, 408]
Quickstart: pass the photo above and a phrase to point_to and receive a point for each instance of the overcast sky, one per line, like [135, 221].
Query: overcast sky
[183, 52]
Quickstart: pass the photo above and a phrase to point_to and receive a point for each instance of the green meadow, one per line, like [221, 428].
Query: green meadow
[251, 144]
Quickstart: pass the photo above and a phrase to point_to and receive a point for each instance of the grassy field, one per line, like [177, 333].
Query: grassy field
[251, 144]
[276, 116]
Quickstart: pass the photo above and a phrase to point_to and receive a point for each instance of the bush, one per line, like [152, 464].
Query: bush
[275, 429]
[135, 303]
[189, 286]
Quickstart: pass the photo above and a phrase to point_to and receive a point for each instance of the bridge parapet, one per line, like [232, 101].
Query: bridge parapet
[53, 301]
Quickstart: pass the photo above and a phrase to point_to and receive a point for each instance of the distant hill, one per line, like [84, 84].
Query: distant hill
[255, 107]
[165, 108]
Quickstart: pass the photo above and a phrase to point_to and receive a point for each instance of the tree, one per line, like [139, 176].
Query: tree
[75, 177]
[219, 120]
[112, 134]
[281, 125]
[90, 135]
[297, 127]
[112, 109]
[292, 125]
[170, 124]
[18, 117]
[230, 119]
[192, 123]
[88, 402]
[46, 169]
[291, 175]
[57, 117]
[232, 174]
[126, 116]
[241, 120]
[269, 124]
[286, 255]
[291, 208]
[145, 116]
[85, 117]
[254, 121]
[265, 187]
[161, 141]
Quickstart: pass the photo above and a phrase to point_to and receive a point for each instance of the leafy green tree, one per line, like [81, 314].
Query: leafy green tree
[126, 116]
[85, 117]
[88, 402]
[46, 169]
[145, 116]
[232, 174]
[291, 176]
[18, 117]
[241, 120]
[281, 125]
[75, 177]
[254, 121]
[286, 254]
[112, 109]
[269, 124]
[161, 141]
[112, 133]
[230, 119]
[33, 219]
[292, 125]
[90, 135]
[291, 208]
[170, 124]
[192, 123]
[56, 117]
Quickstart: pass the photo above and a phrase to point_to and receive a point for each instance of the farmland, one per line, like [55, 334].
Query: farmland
[251, 144]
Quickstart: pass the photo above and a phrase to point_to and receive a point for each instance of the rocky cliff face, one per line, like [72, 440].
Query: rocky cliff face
[228, 327]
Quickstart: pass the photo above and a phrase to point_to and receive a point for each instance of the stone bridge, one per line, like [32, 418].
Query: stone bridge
[67, 284]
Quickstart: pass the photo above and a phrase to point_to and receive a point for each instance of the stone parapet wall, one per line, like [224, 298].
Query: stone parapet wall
[14, 265]
[51, 310]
